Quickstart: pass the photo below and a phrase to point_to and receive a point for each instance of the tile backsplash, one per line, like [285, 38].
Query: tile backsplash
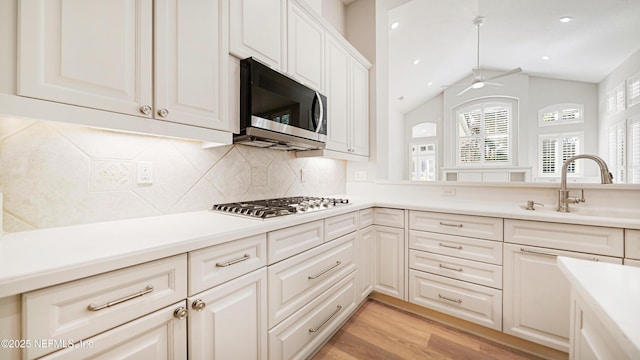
[54, 174]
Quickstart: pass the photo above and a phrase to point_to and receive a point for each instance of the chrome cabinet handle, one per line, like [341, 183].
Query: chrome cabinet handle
[449, 299]
[459, 247]
[450, 268]
[312, 277]
[198, 305]
[180, 313]
[94, 307]
[537, 252]
[146, 109]
[231, 262]
[319, 326]
[449, 224]
[163, 112]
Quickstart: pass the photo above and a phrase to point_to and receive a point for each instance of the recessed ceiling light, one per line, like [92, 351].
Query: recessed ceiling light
[545, 57]
[401, 98]
[416, 61]
[566, 19]
[394, 25]
[430, 83]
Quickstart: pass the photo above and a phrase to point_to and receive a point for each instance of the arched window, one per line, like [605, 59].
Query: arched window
[425, 129]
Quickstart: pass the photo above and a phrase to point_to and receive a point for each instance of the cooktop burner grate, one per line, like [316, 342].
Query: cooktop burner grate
[269, 208]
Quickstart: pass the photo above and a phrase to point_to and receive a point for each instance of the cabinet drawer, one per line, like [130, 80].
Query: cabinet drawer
[388, 217]
[475, 303]
[304, 331]
[83, 308]
[340, 225]
[458, 246]
[632, 244]
[287, 242]
[159, 335]
[460, 269]
[216, 264]
[465, 225]
[630, 262]
[296, 281]
[366, 218]
[582, 238]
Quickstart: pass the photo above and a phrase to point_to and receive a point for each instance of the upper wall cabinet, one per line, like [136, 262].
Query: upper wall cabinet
[348, 92]
[257, 29]
[163, 59]
[305, 48]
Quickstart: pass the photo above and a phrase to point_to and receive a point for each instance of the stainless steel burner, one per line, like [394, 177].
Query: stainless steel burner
[270, 208]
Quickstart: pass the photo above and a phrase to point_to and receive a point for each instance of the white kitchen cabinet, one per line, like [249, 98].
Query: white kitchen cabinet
[347, 83]
[163, 59]
[83, 308]
[389, 252]
[229, 321]
[632, 244]
[365, 253]
[305, 40]
[159, 335]
[257, 29]
[536, 294]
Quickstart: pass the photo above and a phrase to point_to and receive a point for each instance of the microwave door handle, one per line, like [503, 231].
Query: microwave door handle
[319, 126]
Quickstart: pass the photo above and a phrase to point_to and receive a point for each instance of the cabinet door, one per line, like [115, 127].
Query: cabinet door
[92, 53]
[389, 261]
[257, 28]
[229, 321]
[537, 296]
[306, 48]
[338, 121]
[360, 109]
[159, 335]
[191, 56]
[365, 253]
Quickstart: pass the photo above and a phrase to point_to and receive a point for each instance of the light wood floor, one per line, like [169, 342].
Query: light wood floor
[379, 331]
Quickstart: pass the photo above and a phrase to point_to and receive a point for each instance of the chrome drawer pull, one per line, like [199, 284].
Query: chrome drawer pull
[312, 277]
[449, 224]
[537, 252]
[450, 299]
[319, 326]
[94, 307]
[231, 262]
[450, 268]
[459, 247]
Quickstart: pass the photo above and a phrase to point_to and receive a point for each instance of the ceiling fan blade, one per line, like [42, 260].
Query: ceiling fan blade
[493, 83]
[510, 72]
[465, 90]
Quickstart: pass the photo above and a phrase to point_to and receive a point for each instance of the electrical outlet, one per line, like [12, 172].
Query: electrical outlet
[145, 173]
[360, 175]
[449, 192]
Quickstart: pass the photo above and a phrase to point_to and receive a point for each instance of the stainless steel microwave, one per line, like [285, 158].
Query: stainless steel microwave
[279, 112]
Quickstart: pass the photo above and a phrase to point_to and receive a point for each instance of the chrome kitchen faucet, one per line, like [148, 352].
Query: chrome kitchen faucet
[563, 194]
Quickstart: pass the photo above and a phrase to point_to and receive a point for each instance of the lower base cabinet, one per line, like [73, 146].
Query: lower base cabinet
[229, 321]
[159, 335]
[298, 336]
[389, 252]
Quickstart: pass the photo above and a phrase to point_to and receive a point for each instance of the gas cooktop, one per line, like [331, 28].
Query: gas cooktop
[269, 208]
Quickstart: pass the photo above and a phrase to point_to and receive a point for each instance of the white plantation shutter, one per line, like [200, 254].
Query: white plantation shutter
[633, 90]
[560, 114]
[554, 149]
[617, 146]
[633, 130]
[615, 99]
[484, 134]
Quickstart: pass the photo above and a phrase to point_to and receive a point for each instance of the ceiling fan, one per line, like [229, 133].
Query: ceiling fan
[479, 81]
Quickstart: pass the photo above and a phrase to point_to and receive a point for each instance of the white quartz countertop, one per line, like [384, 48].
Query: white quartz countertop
[34, 259]
[612, 291]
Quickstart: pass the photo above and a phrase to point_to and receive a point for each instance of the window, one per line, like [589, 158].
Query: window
[483, 134]
[633, 142]
[554, 149]
[615, 100]
[423, 161]
[425, 129]
[633, 90]
[560, 114]
[616, 161]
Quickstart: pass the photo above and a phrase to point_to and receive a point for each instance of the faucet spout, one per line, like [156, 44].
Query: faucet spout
[563, 194]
